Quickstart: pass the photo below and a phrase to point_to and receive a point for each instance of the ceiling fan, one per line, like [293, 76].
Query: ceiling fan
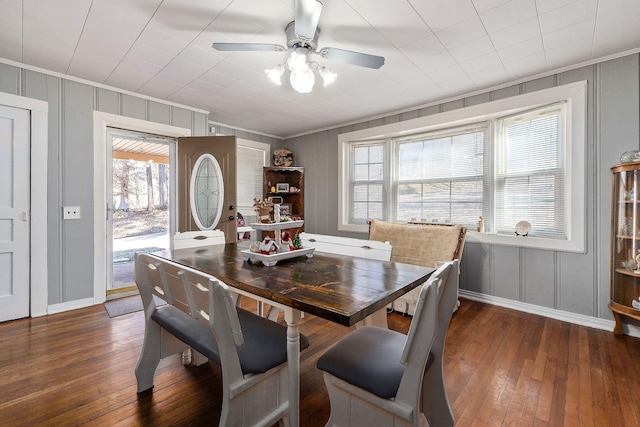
[302, 41]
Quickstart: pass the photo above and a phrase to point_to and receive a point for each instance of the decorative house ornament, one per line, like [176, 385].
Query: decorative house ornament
[282, 157]
[630, 156]
[268, 246]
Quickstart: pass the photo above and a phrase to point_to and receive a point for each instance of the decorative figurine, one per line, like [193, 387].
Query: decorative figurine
[297, 242]
[480, 228]
[263, 208]
[286, 244]
[268, 246]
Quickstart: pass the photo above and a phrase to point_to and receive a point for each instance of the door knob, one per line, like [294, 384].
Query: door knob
[231, 207]
[231, 217]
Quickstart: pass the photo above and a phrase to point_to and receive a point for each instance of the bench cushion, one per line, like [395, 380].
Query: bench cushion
[368, 358]
[265, 341]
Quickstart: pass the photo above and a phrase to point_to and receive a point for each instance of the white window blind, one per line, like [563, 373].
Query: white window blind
[440, 176]
[367, 185]
[250, 162]
[530, 172]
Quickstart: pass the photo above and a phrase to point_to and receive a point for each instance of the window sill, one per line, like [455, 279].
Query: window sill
[525, 242]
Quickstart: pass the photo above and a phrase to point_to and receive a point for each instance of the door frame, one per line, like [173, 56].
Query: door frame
[171, 143]
[100, 123]
[38, 127]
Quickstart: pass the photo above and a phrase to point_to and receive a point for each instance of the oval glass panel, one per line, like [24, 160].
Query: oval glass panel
[206, 192]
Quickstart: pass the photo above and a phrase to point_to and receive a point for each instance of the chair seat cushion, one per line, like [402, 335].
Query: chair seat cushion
[368, 358]
[265, 341]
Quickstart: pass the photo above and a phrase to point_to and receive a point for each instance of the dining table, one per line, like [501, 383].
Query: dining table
[343, 289]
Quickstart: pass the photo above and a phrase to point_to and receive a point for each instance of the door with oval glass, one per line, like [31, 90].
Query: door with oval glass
[207, 184]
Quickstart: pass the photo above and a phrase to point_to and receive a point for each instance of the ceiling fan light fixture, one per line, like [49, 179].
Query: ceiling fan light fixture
[298, 60]
[302, 80]
[328, 77]
[275, 73]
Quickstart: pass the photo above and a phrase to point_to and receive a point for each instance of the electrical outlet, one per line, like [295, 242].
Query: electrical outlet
[71, 212]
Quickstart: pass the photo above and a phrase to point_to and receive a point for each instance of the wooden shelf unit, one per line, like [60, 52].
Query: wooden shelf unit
[293, 177]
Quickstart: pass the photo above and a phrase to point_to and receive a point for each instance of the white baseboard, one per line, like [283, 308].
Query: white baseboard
[565, 316]
[70, 305]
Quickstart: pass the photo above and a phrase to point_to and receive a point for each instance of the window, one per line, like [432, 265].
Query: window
[440, 176]
[530, 172]
[367, 172]
[251, 158]
[520, 158]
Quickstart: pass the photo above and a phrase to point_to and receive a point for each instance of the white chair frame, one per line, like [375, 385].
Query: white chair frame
[421, 399]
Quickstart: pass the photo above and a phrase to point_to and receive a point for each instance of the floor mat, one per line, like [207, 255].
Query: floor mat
[127, 305]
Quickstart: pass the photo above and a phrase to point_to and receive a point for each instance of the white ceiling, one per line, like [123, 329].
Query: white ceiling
[434, 50]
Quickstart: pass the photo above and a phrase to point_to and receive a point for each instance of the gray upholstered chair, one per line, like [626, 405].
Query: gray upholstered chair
[380, 377]
[251, 350]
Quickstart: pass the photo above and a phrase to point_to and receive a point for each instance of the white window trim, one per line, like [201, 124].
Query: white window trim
[576, 96]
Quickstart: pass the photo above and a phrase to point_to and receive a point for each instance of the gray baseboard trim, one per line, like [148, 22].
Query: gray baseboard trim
[70, 305]
[565, 316]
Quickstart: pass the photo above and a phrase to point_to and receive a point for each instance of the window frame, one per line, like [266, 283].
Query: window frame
[574, 94]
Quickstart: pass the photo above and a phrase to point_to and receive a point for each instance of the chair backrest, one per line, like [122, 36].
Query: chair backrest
[194, 239]
[198, 294]
[429, 244]
[371, 249]
[151, 280]
[212, 304]
[423, 331]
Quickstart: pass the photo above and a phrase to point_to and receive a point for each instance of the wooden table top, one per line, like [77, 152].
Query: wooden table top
[342, 289]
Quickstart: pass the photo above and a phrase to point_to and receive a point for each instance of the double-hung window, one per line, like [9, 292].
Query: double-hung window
[519, 159]
[530, 171]
[440, 175]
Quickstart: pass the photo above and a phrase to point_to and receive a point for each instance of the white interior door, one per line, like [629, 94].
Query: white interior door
[14, 213]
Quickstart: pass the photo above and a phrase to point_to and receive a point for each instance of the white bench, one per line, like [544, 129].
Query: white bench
[200, 314]
[371, 249]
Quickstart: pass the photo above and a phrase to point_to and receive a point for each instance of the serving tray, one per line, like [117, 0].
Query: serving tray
[271, 260]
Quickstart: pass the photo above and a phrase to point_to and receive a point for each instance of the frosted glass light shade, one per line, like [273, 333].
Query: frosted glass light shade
[327, 76]
[302, 81]
[275, 74]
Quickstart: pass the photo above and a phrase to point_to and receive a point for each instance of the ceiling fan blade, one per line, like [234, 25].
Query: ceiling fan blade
[350, 57]
[307, 18]
[235, 47]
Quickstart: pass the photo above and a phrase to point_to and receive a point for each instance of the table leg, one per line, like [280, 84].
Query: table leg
[292, 317]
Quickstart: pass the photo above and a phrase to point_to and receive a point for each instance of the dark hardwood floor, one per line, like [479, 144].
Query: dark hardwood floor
[502, 367]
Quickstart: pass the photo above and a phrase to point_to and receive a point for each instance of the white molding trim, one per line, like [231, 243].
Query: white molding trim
[100, 123]
[565, 316]
[70, 305]
[98, 85]
[38, 228]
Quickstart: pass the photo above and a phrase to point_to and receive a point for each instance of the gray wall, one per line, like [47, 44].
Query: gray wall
[575, 283]
[70, 164]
